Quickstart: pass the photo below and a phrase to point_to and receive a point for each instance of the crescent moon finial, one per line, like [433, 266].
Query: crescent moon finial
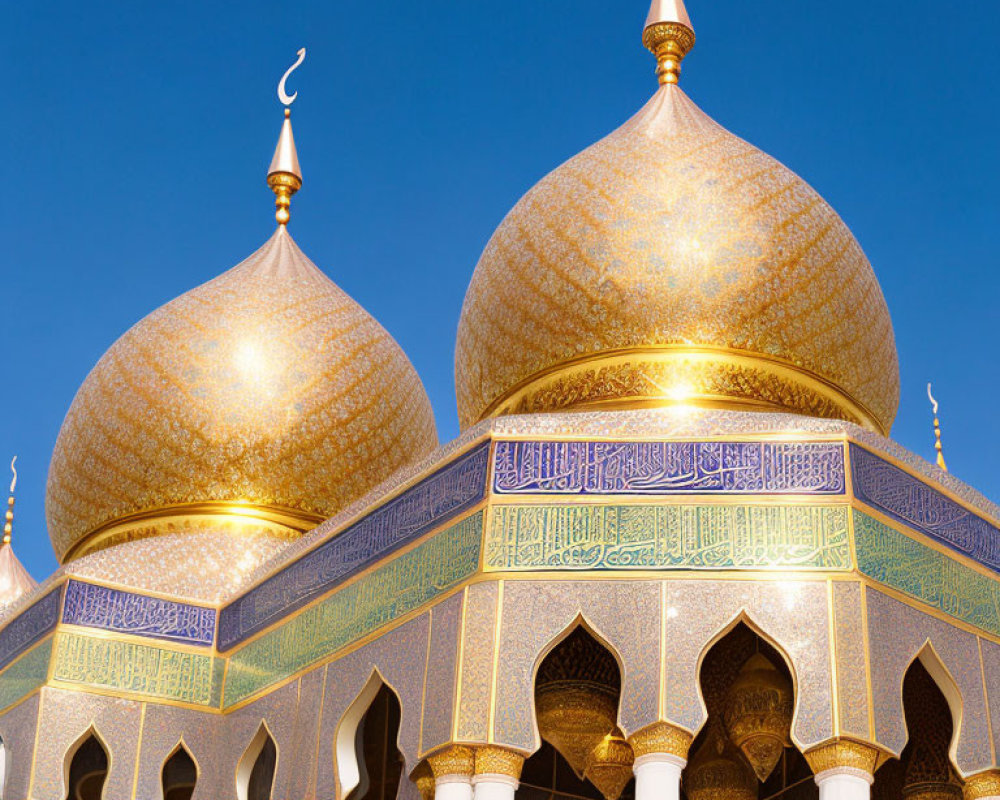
[931, 398]
[283, 96]
[13, 481]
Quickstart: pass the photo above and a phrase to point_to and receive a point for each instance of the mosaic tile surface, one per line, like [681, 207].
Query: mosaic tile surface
[991, 666]
[25, 674]
[29, 627]
[918, 505]
[125, 612]
[477, 661]
[792, 614]
[852, 678]
[926, 574]
[897, 633]
[17, 730]
[390, 591]
[665, 467]
[430, 503]
[596, 537]
[146, 670]
[622, 614]
[442, 667]
[204, 738]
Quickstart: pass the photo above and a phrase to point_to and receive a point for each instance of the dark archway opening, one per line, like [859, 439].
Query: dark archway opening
[380, 764]
[88, 771]
[924, 769]
[180, 774]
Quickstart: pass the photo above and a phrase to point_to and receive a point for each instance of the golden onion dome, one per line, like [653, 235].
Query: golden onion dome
[266, 394]
[672, 262]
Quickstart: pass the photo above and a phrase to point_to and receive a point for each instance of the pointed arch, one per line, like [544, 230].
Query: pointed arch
[179, 773]
[347, 742]
[931, 661]
[579, 621]
[257, 766]
[745, 617]
[86, 766]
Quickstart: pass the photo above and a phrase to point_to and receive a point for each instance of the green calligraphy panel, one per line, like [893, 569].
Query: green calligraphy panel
[927, 574]
[140, 669]
[25, 674]
[601, 537]
[390, 591]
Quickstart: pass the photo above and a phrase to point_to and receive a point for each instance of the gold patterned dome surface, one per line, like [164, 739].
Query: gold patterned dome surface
[674, 262]
[266, 394]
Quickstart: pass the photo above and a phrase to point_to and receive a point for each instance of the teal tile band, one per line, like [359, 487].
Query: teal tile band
[25, 674]
[140, 669]
[597, 537]
[926, 574]
[390, 591]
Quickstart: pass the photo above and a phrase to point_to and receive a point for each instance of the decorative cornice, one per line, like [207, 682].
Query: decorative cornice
[453, 760]
[491, 760]
[983, 786]
[844, 754]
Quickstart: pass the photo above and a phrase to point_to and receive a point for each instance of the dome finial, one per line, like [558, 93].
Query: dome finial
[284, 177]
[937, 430]
[669, 36]
[8, 523]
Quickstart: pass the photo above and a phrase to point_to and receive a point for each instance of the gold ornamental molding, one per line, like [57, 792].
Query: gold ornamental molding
[288, 523]
[661, 738]
[492, 760]
[682, 375]
[847, 753]
[982, 786]
[453, 760]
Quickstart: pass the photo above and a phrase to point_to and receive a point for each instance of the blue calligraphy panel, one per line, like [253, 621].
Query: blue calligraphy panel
[124, 612]
[914, 503]
[646, 468]
[28, 627]
[432, 502]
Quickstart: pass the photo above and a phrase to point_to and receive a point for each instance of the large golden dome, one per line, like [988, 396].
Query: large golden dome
[266, 396]
[673, 262]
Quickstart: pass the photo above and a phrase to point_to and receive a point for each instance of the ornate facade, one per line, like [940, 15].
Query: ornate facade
[673, 552]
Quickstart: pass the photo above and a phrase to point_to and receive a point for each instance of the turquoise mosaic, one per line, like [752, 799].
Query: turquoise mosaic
[25, 674]
[131, 668]
[599, 537]
[926, 574]
[387, 593]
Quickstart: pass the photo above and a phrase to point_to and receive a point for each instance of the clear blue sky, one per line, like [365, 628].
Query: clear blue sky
[137, 135]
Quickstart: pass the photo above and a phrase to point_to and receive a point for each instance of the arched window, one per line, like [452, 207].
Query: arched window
[180, 774]
[583, 755]
[745, 745]
[88, 770]
[380, 764]
[255, 774]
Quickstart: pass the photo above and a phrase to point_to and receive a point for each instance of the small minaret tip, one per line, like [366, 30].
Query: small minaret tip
[937, 430]
[668, 35]
[284, 175]
[8, 523]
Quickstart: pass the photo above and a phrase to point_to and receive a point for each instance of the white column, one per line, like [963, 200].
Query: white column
[844, 783]
[453, 787]
[658, 776]
[494, 786]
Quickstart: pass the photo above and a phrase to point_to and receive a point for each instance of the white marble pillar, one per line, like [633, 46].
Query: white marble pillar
[658, 776]
[844, 783]
[453, 769]
[494, 786]
[452, 787]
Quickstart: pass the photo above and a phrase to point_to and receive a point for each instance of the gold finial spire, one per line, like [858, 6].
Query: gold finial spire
[8, 523]
[669, 36]
[937, 431]
[284, 176]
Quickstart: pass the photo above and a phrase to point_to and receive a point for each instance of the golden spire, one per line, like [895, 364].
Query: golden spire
[8, 523]
[669, 36]
[284, 176]
[937, 430]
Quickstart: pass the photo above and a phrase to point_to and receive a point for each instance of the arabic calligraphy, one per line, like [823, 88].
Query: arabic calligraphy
[664, 467]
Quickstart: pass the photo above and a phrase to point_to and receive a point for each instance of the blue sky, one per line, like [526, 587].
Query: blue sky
[137, 136]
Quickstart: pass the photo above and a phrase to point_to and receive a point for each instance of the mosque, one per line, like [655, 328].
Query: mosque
[672, 554]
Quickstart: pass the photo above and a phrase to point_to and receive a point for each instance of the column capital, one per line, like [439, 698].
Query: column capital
[453, 760]
[845, 757]
[492, 760]
[983, 785]
[661, 738]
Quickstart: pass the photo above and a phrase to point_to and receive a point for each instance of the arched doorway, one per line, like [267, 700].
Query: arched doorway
[255, 774]
[88, 770]
[179, 776]
[380, 764]
[924, 769]
[583, 754]
[745, 745]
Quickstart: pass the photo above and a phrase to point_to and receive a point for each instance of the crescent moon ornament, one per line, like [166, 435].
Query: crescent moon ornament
[13, 481]
[931, 398]
[283, 96]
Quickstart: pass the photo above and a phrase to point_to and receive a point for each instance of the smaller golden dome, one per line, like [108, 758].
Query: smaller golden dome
[266, 396]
